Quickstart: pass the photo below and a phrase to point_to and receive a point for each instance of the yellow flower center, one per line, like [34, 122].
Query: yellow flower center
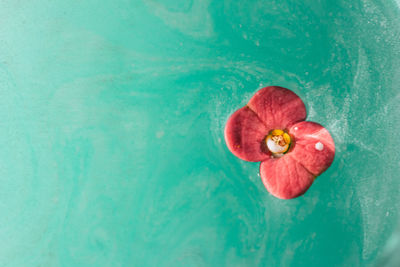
[278, 142]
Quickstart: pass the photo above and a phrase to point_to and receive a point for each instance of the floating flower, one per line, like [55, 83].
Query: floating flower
[272, 129]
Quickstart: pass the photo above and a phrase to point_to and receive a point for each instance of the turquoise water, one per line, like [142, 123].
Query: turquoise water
[112, 149]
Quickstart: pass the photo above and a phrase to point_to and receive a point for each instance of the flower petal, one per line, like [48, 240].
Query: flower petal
[284, 177]
[314, 147]
[278, 107]
[245, 134]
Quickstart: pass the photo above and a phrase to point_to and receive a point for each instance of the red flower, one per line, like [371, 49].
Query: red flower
[271, 129]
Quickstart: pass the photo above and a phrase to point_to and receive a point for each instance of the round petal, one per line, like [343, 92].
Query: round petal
[245, 134]
[284, 177]
[314, 147]
[278, 107]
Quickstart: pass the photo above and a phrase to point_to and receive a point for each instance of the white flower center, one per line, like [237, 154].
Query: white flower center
[278, 142]
[274, 147]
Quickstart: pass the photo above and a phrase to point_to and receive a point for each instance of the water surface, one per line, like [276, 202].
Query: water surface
[112, 150]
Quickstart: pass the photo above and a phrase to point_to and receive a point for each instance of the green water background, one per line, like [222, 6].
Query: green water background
[112, 118]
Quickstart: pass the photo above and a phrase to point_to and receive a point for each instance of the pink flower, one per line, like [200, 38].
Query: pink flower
[272, 129]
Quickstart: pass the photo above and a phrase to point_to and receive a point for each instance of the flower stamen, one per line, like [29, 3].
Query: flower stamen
[278, 142]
